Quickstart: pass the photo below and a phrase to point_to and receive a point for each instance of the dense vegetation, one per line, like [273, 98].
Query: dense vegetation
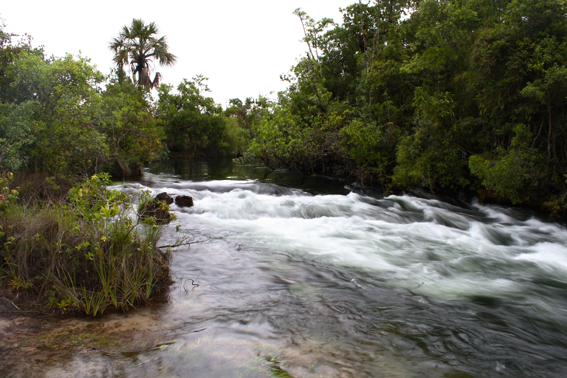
[63, 117]
[460, 94]
[85, 254]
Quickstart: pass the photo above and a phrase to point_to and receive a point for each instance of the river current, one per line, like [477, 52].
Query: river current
[294, 276]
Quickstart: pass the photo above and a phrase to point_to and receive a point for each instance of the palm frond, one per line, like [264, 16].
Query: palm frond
[136, 45]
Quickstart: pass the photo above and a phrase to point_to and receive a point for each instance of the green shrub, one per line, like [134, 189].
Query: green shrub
[513, 173]
[86, 255]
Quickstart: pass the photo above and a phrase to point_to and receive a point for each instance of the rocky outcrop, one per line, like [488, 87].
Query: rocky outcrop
[164, 197]
[157, 208]
[184, 201]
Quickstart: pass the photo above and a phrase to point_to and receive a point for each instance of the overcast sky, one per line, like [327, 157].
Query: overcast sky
[241, 46]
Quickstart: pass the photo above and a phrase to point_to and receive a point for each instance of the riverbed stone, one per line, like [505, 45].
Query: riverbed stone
[164, 197]
[156, 209]
[184, 201]
[4, 324]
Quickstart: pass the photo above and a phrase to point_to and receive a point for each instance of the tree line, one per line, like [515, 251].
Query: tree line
[446, 95]
[62, 116]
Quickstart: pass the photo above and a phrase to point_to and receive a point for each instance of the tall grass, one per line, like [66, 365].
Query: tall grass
[84, 254]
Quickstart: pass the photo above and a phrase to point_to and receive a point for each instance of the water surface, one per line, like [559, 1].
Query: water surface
[310, 277]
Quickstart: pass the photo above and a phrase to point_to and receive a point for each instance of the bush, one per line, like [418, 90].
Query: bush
[86, 255]
[513, 173]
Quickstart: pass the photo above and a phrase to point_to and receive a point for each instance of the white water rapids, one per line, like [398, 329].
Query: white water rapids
[424, 246]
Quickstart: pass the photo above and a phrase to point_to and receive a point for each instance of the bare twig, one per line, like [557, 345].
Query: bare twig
[144, 350]
[10, 302]
[23, 312]
[181, 243]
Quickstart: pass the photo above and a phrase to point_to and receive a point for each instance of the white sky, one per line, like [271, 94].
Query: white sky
[241, 46]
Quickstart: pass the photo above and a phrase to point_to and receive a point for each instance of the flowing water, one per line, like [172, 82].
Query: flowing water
[309, 277]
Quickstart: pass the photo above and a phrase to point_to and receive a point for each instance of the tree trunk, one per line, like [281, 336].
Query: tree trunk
[550, 133]
[122, 170]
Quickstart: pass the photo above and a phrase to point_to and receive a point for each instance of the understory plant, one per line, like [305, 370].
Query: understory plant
[87, 254]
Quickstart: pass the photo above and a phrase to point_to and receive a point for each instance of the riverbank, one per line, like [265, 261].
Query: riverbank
[86, 254]
[48, 346]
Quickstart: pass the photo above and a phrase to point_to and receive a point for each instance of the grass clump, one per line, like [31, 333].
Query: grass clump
[154, 211]
[84, 254]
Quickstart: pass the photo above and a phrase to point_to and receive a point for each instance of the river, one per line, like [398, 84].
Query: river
[294, 276]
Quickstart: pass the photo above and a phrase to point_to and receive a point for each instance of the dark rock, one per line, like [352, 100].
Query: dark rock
[184, 201]
[164, 197]
[156, 209]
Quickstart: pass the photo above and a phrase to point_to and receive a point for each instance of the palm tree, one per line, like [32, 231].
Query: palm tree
[138, 46]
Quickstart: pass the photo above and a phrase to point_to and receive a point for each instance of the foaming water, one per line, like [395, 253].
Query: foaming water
[314, 280]
[423, 246]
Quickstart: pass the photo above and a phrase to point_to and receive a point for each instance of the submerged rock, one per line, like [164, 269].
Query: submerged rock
[184, 201]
